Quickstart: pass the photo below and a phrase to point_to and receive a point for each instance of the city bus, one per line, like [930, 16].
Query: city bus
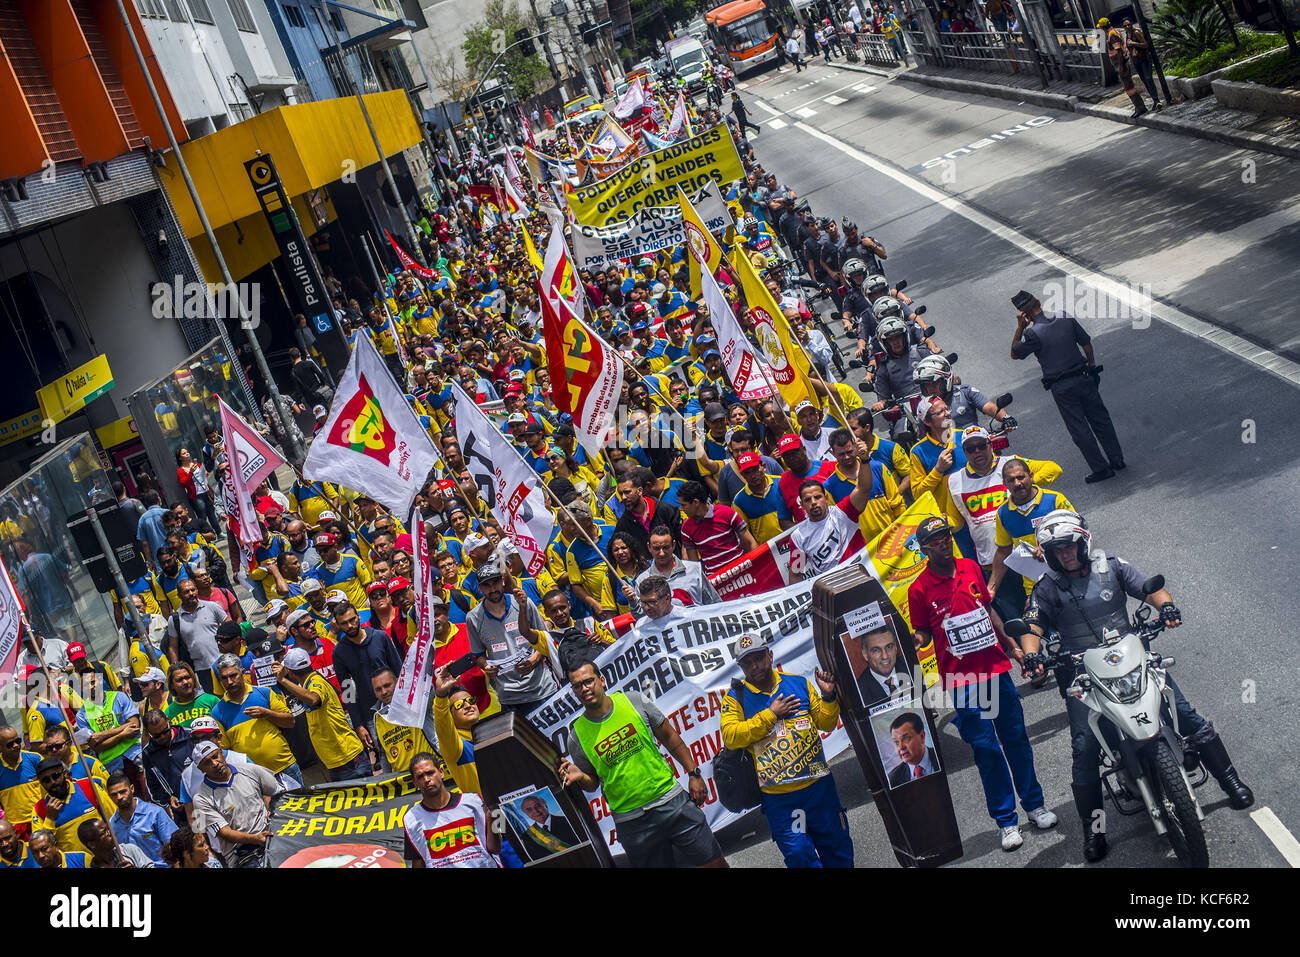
[745, 33]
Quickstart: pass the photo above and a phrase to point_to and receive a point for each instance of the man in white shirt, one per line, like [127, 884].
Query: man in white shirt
[816, 438]
[792, 52]
[831, 533]
[443, 828]
[686, 579]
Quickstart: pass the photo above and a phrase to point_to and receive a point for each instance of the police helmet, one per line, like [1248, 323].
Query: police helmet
[933, 369]
[854, 266]
[877, 285]
[1061, 526]
[848, 224]
[891, 326]
[887, 307]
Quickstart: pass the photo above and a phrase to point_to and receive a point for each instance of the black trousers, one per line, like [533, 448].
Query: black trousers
[1087, 421]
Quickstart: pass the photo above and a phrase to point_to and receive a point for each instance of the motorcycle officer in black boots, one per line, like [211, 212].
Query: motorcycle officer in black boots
[1083, 593]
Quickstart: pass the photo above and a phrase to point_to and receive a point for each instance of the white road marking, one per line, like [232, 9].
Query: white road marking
[1122, 293]
[1277, 832]
[771, 110]
[776, 124]
[805, 112]
[863, 88]
[742, 86]
[833, 100]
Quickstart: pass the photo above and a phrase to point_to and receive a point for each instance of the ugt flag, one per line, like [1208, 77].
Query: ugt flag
[513, 493]
[11, 625]
[372, 440]
[559, 278]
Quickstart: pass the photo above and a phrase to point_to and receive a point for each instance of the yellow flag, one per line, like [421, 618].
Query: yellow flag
[897, 561]
[789, 364]
[533, 256]
[703, 247]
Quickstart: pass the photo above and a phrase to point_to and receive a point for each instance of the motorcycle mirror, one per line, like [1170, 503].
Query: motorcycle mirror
[1003, 400]
[867, 387]
[920, 310]
[1015, 627]
[1153, 584]
[900, 285]
[951, 357]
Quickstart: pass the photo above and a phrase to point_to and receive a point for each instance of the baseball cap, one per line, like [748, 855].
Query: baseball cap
[325, 516]
[337, 595]
[924, 406]
[580, 510]
[310, 585]
[474, 540]
[398, 583]
[515, 388]
[974, 432]
[205, 723]
[295, 659]
[749, 644]
[203, 750]
[640, 325]
[228, 630]
[264, 644]
[714, 411]
[533, 428]
[152, 674]
[565, 429]
[446, 485]
[376, 586]
[318, 411]
[645, 261]
[274, 607]
[295, 616]
[516, 418]
[789, 443]
[517, 375]
[709, 353]
[76, 651]
[658, 289]
[704, 340]
[326, 538]
[803, 404]
[489, 572]
[930, 529]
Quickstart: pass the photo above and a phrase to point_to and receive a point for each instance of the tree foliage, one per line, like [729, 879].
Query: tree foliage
[493, 34]
[1187, 28]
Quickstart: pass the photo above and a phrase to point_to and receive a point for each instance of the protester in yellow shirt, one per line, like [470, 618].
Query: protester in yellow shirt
[328, 727]
[253, 720]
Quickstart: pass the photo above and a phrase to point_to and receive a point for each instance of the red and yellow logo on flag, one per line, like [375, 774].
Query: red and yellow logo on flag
[361, 427]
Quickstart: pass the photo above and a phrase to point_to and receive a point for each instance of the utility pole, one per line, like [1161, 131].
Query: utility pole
[546, 45]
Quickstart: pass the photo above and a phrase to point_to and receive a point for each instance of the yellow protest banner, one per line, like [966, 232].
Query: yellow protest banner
[653, 180]
[534, 256]
[773, 333]
[897, 560]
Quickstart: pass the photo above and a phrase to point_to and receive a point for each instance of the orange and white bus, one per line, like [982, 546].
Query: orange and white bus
[745, 33]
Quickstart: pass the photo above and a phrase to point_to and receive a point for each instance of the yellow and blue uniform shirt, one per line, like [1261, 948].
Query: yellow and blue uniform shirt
[923, 459]
[262, 741]
[1019, 524]
[788, 754]
[764, 512]
[350, 575]
[78, 807]
[310, 499]
[19, 789]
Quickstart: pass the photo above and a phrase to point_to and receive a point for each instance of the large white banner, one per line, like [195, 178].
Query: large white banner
[647, 231]
[372, 441]
[685, 662]
[506, 482]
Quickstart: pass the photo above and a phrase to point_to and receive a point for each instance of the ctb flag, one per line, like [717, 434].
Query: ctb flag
[586, 376]
[372, 441]
[559, 279]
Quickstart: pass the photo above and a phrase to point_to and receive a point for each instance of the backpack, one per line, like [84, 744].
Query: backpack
[216, 566]
[734, 773]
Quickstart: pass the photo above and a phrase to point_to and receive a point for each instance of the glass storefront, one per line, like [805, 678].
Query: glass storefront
[38, 550]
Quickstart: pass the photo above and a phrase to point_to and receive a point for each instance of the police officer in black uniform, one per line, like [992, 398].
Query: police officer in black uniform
[812, 252]
[1082, 594]
[861, 247]
[1071, 374]
[794, 232]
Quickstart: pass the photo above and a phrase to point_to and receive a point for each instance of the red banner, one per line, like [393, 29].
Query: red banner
[763, 570]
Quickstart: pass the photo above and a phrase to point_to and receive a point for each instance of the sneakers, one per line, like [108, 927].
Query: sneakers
[1011, 838]
[1099, 476]
[1043, 818]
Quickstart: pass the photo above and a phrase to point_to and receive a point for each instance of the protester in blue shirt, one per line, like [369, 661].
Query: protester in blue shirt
[138, 822]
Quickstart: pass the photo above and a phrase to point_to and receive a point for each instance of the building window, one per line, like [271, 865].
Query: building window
[201, 12]
[243, 16]
[294, 16]
[151, 8]
[336, 18]
[387, 6]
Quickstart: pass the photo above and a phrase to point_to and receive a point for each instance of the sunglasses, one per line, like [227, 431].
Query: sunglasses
[463, 704]
[979, 446]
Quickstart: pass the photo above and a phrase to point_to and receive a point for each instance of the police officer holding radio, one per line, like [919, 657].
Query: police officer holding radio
[1071, 374]
[1082, 594]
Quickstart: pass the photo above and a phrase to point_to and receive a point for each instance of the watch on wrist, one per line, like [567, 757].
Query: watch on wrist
[695, 773]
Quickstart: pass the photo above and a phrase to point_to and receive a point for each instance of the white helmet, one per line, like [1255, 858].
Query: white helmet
[1061, 526]
[887, 306]
[855, 266]
[933, 368]
[876, 284]
[891, 326]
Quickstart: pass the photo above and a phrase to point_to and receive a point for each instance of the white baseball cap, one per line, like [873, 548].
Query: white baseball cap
[205, 723]
[295, 659]
[310, 585]
[923, 407]
[974, 432]
[474, 540]
[297, 615]
[153, 674]
[202, 750]
[274, 607]
[335, 596]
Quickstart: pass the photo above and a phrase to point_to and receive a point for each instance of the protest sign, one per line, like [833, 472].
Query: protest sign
[347, 825]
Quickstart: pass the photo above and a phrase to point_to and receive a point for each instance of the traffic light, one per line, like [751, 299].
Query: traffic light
[525, 41]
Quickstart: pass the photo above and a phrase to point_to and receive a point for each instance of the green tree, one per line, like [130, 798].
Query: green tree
[491, 35]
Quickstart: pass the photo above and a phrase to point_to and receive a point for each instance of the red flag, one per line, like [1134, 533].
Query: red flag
[249, 460]
[11, 626]
[408, 262]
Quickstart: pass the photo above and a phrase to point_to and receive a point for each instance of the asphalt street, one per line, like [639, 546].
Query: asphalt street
[1213, 236]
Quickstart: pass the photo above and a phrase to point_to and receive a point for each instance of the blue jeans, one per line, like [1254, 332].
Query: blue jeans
[291, 777]
[809, 826]
[357, 768]
[998, 738]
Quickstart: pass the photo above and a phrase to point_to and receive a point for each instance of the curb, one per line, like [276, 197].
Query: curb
[1238, 139]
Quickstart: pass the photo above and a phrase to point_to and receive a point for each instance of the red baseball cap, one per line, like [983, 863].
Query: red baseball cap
[376, 586]
[76, 651]
[326, 538]
[749, 460]
[398, 583]
[447, 485]
[788, 443]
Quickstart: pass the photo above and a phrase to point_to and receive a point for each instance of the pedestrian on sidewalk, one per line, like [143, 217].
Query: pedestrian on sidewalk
[741, 114]
[792, 53]
[1118, 52]
[1139, 48]
[1071, 374]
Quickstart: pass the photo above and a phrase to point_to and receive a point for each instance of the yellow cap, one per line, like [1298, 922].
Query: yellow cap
[1103, 23]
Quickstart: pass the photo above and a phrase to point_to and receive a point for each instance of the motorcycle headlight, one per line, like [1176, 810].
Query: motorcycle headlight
[1127, 687]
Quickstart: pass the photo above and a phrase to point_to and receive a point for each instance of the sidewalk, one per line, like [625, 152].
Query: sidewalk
[1204, 119]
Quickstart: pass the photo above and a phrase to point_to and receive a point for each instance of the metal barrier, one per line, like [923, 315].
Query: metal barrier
[876, 49]
[1077, 57]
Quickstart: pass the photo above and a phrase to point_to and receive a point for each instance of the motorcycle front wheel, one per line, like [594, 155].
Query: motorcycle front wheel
[1182, 826]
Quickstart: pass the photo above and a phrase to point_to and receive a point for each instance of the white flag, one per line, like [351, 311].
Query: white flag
[680, 123]
[631, 101]
[372, 441]
[506, 482]
[744, 367]
[410, 701]
[249, 460]
[559, 278]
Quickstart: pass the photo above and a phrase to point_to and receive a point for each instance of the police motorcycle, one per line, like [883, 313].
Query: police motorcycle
[1134, 719]
[899, 390]
[933, 376]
